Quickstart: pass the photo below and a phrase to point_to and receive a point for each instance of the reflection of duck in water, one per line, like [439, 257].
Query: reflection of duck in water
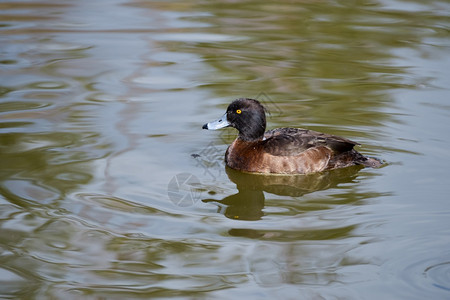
[282, 150]
[248, 203]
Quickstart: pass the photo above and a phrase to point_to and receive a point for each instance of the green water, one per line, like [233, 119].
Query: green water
[110, 189]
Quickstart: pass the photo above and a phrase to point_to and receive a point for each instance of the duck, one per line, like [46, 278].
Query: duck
[282, 150]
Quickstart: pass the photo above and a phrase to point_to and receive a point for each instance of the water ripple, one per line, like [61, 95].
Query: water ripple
[424, 273]
[439, 275]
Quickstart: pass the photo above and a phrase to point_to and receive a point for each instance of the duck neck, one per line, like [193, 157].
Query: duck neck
[252, 134]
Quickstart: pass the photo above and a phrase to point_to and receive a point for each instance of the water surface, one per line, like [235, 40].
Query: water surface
[110, 189]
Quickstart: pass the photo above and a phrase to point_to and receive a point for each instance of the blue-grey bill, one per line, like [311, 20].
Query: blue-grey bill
[220, 123]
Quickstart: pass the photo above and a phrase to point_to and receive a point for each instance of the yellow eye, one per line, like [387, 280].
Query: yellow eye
[238, 111]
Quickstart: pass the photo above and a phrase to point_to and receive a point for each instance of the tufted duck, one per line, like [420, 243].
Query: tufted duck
[282, 150]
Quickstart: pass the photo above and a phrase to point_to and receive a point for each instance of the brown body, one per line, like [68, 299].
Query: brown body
[294, 151]
[250, 157]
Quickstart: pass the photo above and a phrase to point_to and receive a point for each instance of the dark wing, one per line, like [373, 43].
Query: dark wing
[293, 141]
